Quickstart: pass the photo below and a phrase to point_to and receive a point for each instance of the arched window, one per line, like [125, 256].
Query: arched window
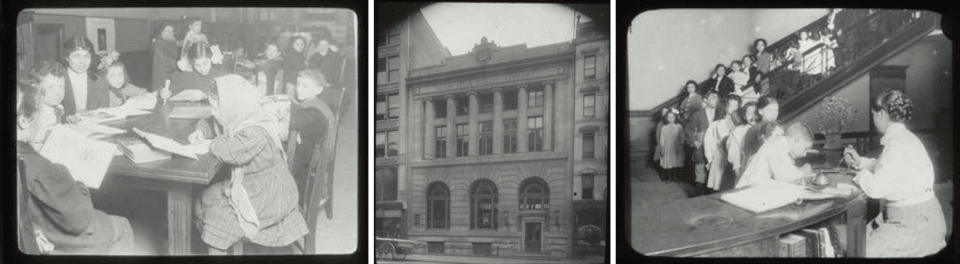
[438, 205]
[534, 194]
[483, 205]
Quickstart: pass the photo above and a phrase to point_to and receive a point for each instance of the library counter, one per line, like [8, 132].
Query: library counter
[705, 226]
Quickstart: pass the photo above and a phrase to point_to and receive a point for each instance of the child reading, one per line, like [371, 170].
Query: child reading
[120, 89]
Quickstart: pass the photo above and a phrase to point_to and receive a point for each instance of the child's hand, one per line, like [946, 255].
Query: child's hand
[73, 119]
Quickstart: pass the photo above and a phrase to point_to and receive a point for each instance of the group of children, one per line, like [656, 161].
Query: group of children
[259, 203]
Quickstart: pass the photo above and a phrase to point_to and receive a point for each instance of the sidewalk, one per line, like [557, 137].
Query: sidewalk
[488, 260]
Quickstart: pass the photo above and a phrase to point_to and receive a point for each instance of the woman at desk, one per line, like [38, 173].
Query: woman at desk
[912, 223]
[62, 212]
[259, 203]
[202, 75]
[84, 89]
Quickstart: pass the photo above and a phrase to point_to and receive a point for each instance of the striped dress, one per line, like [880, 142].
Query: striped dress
[269, 185]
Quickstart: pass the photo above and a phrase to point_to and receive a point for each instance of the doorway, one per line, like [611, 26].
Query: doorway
[532, 236]
[48, 42]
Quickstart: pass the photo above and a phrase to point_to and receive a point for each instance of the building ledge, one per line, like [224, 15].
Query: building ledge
[501, 158]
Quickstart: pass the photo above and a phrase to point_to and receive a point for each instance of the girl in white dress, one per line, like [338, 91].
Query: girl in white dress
[670, 145]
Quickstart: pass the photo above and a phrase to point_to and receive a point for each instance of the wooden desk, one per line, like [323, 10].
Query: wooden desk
[178, 177]
[705, 226]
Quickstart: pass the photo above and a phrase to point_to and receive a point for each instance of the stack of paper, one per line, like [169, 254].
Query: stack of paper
[765, 196]
[100, 116]
[86, 159]
[138, 151]
[189, 96]
[142, 102]
[191, 112]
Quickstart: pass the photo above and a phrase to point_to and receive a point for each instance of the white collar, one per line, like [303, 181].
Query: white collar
[893, 130]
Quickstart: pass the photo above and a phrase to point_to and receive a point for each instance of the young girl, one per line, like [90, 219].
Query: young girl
[200, 77]
[713, 146]
[692, 102]
[294, 61]
[670, 145]
[739, 77]
[746, 118]
[48, 77]
[120, 89]
[193, 36]
[84, 90]
[259, 203]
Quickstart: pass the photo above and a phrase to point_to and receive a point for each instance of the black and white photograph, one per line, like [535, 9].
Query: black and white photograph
[789, 133]
[491, 133]
[187, 131]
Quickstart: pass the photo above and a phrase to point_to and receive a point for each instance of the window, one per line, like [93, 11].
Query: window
[438, 205]
[590, 66]
[588, 104]
[486, 102]
[441, 143]
[534, 98]
[483, 205]
[535, 133]
[509, 99]
[463, 105]
[386, 184]
[388, 106]
[390, 38]
[588, 145]
[388, 69]
[534, 194]
[440, 108]
[587, 184]
[387, 144]
[486, 138]
[510, 136]
[463, 140]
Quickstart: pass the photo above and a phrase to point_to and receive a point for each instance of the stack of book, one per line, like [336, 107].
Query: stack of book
[138, 151]
[814, 242]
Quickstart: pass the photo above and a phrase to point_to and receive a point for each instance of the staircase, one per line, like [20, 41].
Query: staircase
[880, 36]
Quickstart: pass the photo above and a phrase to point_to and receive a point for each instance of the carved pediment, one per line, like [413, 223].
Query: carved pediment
[483, 52]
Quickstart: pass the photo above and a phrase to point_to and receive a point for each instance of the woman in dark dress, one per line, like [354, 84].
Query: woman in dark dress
[165, 54]
[84, 89]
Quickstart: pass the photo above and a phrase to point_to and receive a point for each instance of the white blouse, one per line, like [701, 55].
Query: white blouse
[903, 174]
[78, 81]
[772, 162]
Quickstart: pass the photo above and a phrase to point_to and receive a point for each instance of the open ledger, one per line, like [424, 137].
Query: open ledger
[168, 145]
[87, 159]
[774, 194]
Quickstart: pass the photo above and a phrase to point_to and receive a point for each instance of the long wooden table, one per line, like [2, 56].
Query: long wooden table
[705, 226]
[178, 177]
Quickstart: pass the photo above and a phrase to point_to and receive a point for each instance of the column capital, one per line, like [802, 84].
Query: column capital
[550, 82]
[448, 96]
[522, 86]
[472, 93]
[497, 90]
[427, 99]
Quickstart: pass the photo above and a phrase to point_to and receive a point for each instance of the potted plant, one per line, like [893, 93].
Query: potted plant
[836, 115]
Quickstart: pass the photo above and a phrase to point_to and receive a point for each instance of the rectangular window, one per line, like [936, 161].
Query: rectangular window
[587, 184]
[510, 136]
[380, 149]
[387, 106]
[535, 133]
[393, 143]
[441, 143]
[388, 69]
[590, 67]
[386, 184]
[387, 144]
[463, 140]
[486, 102]
[534, 98]
[440, 108]
[486, 138]
[588, 145]
[509, 99]
[463, 105]
[589, 101]
[390, 38]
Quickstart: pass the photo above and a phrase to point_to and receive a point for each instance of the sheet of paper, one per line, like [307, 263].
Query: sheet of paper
[765, 196]
[101, 115]
[166, 144]
[86, 159]
[191, 112]
[143, 102]
[189, 95]
[94, 130]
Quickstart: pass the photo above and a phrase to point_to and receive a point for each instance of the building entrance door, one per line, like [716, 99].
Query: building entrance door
[532, 236]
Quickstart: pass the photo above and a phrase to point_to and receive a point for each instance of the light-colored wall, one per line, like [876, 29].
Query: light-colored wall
[222, 14]
[668, 47]
[928, 85]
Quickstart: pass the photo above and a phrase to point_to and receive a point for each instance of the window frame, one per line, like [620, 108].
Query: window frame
[463, 140]
[535, 98]
[590, 71]
[593, 145]
[592, 107]
[440, 141]
[476, 202]
[525, 195]
[444, 198]
[535, 134]
[584, 190]
[485, 138]
[510, 136]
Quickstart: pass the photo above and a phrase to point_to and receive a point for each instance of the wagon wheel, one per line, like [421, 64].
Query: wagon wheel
[402, 252]
[385, 251]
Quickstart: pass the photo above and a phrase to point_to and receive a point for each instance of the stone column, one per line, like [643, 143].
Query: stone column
[451, 129]
[474, 142]
[522, 119]
[414, 130]
[497, 122]
[547, 116]
[428, 129]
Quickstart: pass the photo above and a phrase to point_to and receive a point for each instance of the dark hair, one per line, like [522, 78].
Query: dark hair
[719, 65]
[755, 42]
[78, 43]
[721, 111]
[706, 94]
[752, 58]
[764, 101]
[162, 26]
[191, 20]
[30, 89]
[199, 50]
[293, 41]
[676, 117]
[696, 87]
[736, 62]
[742, 112]
[895, 104]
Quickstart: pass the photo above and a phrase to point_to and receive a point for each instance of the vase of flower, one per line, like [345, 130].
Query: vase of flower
[836, 115]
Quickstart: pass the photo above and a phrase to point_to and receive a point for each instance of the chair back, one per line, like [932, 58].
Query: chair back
[319, 181]
[25, 235]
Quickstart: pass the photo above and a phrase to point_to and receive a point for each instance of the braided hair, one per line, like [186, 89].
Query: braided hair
[895, 104]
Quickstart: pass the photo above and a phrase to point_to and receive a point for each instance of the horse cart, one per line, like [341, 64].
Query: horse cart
[394, 248]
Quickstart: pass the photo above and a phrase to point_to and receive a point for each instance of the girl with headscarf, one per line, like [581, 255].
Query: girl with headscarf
[259, 203]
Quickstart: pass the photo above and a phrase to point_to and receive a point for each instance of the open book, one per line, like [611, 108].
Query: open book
[86, 159]
[773, 194]
[189, 95]
[167, 144]
[104, 115]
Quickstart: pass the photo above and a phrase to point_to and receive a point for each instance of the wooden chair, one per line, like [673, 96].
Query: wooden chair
[25, 236]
